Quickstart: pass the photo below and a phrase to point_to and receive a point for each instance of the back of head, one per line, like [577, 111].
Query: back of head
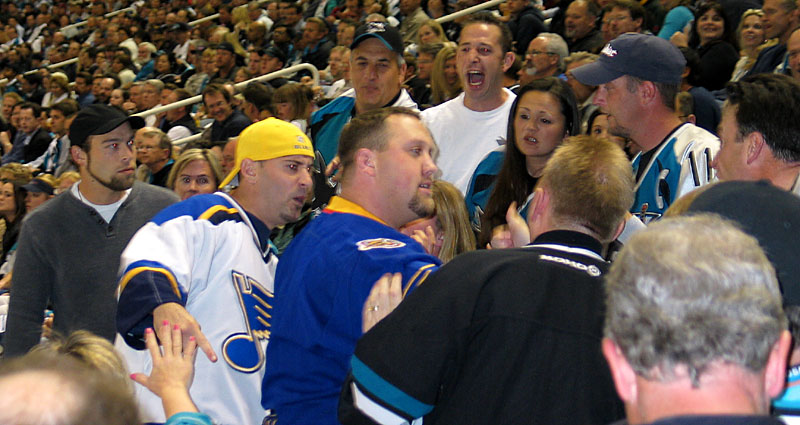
[50, 389]
[675, 310]
[770, 105]
[93, 351]
[259, 95]
[590, 184]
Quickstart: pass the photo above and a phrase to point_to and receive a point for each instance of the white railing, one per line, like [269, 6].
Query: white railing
[107, 15]
[196, 99]
[467, 11]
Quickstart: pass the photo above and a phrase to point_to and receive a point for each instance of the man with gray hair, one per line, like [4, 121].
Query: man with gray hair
[544, 58]
[697, 337]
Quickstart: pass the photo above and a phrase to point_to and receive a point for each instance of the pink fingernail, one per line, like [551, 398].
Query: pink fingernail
[133, 376]
[148, 330]
[191, 338]
[165, 323]
[176, 327]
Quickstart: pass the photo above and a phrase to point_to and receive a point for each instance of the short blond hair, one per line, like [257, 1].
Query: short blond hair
[591, 185]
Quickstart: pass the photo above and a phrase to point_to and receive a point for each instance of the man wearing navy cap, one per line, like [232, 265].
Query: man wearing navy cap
[69, 248]
[638, 77]
[377, 70]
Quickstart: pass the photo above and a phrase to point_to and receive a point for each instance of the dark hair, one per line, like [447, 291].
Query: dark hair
[87, 77]
[216, 88]
[506, 39]
[259, 95]
[702, 8]
[769, 104]
[692, 62]
[170, 58]
[37, 109]
[124, 59]
[513, 181]
[634, 9]
[67, 107]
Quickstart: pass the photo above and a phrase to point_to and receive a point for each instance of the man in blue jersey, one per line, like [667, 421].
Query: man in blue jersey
[207, 262]
[638, 77]
[326, 274]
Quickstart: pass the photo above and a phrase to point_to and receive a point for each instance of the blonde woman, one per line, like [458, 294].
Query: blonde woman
[445, 83]
[752, 39]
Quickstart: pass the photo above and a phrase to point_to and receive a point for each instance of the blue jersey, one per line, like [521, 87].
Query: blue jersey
[322, 282]
[680, 165]
[209, 255]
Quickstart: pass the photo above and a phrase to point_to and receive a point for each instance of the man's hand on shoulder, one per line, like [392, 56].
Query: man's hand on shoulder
[176, 314]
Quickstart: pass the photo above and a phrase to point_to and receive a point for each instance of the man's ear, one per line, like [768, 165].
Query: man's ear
[639, 24]
[775, 371]
[538, 206]
[647, 92]
[78, 155]
[402, 76]
[248, 171]
[621, 371]
[365, 161]
[508, 60]
[755, 145]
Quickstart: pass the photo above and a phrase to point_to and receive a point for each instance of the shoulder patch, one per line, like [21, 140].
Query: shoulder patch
[368, 244]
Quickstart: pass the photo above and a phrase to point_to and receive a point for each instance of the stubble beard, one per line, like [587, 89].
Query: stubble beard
[117, 183]
[421, 206]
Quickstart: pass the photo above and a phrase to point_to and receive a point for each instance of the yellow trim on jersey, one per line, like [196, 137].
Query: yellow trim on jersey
[130, 274]
[422, 274]
[215, 209]
[339, 204]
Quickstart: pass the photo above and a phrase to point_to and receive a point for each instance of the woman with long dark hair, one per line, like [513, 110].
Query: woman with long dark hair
[544, 113]
[12, 211]
[714, 43]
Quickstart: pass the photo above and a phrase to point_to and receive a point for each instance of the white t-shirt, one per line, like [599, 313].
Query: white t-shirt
[105, 211]
[465, 136]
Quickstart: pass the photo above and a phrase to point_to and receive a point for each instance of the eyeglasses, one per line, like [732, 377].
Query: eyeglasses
[538, 52]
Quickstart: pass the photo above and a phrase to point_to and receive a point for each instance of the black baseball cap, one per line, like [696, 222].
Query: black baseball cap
[225, 46]
[274, 52]
[647, 57]
[99, 119]
[383, 32]
[769, 214]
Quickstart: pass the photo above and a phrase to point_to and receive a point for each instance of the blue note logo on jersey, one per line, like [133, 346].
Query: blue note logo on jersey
[368, 244]
[243, 351]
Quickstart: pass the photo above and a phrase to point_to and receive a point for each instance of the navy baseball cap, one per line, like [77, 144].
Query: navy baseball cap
[39, 186]
[383, 32]
[646, 57]
[769, 214]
